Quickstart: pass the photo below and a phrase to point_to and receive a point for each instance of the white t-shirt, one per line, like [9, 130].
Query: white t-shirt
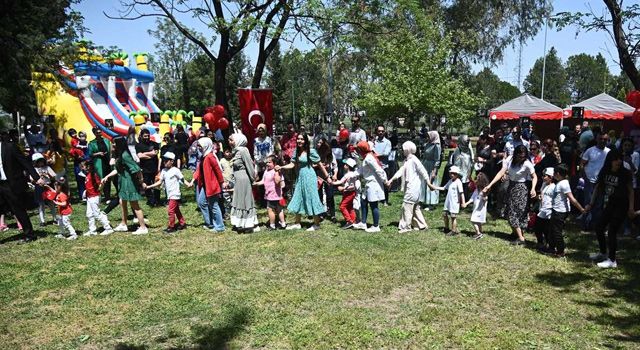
[519, 173]
[595, 160]
[172, 178]
[452, 202]
[561, 203]
[546, 203]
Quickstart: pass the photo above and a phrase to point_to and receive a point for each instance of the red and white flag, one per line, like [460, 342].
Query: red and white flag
[256, 107]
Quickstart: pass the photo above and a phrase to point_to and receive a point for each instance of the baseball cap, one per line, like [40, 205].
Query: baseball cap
[350, 162]
[169, 155]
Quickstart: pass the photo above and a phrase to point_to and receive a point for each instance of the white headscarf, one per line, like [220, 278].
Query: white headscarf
[239, 139]
[409, 148]
[206, 144]
[434, 137]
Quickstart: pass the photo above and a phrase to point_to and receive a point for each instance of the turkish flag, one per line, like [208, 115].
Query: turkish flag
[256, 107]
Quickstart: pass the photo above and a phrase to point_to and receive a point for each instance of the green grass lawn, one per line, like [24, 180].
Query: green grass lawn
[321, 290]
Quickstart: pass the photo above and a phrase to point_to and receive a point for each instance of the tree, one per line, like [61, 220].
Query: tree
[275, 80]
[231, 23]
[493, 90]
[410, 77]
[481, 30]
[173, 53]
[35, 36]
[619, 87]
[587, 76]
[622, 25]
[556, 90]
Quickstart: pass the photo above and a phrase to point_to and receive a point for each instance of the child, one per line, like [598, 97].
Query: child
[92, 186]
[272, 181]
[454, 200]
[171, 177]
[64, 209]
[543, 221]
[46, 174]
[347, 185]
[227, 173]
[562, 200]
[479, 200]
[413, 174]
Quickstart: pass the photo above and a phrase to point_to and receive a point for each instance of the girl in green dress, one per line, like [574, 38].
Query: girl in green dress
[305, 200]
[128, 173]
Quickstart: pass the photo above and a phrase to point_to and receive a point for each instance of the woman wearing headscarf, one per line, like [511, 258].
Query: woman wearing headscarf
[462, 157]
[129, 184]
[373, 192]
[305, 199]
[209, 179]
[431, 156]
[243, 209]
[413, 174]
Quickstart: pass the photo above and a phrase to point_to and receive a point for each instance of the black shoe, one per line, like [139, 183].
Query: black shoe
[517, 242]
[169, 230]
[452, 233]
[271, 228]
[347, 226]
[43, 224]
[27, 239]
[446, 230]
[477, 236]
[181, 227]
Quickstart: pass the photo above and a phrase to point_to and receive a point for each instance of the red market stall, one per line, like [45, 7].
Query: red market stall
[603, 110]
[545, 117]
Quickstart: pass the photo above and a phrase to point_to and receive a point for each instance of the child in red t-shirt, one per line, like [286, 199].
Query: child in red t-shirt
[92, 186]
[64, 209]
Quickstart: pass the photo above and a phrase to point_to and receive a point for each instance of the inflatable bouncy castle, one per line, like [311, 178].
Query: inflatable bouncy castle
[101, 92]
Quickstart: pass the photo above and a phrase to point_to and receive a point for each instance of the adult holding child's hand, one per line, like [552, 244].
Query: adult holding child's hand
[518, 168]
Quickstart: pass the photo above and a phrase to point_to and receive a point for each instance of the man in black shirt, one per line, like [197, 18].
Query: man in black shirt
[147, 151]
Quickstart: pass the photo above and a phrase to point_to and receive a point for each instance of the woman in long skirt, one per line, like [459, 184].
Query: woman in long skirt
[305, 200]
[431, 161]
[243, 209]
[519, 169]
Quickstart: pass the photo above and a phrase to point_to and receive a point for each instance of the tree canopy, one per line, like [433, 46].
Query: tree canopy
[556, 89]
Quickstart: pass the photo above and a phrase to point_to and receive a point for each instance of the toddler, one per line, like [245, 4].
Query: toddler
[479, 200]
[93, 187]
[454, 200]
[46, 174]
[347, 185]
[172, 177]
[273, 181]
[64, 209]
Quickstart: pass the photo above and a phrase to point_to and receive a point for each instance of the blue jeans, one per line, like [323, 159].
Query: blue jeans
[210, 210]
[593, 215]
[79, 179]
[374, 210]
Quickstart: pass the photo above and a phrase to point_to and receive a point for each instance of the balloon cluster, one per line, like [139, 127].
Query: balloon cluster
[633, 99]
[214, 118]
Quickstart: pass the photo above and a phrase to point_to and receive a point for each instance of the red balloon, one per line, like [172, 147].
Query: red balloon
[343, 135]
[633, 98]
[212, 126]
[208, 110]
[218, 111]
[222, 123]
[208, 118]
[635, 118]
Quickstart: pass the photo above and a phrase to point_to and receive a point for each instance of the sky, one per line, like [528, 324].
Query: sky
[132, 36]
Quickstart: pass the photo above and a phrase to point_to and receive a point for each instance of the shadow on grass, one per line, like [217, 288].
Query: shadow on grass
[214, 336]
[617, 307]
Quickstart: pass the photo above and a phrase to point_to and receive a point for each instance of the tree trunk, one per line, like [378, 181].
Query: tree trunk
[259, 71]
[220, 86]
[626, 61]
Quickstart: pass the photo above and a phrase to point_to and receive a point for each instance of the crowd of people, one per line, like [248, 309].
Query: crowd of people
[530, 182]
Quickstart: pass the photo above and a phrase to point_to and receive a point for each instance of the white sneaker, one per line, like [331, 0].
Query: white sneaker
[373, 229]
[360, 226]
[72, 237]
[60, 236]
[135, 221]
[608, 264]
[256, 229]
[106, 232]
[294, 227]
[597, 256]
[404, 230]
[90, 233]
[313, 228]
[141, 231]
[121, 228]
